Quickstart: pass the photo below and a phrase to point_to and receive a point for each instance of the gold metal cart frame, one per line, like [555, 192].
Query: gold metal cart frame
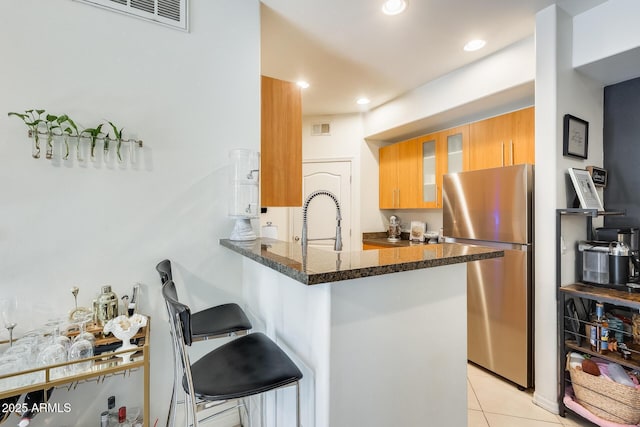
[105, 365]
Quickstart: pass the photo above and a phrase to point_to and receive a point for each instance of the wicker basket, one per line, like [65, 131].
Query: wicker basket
[606, 399]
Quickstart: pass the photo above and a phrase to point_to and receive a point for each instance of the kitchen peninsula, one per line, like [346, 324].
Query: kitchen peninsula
[380, 334]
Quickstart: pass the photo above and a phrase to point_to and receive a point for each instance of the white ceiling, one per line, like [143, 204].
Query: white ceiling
[347, 48]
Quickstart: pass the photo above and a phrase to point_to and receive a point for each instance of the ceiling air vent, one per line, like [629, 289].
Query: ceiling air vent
[321, 129]
[172, 13]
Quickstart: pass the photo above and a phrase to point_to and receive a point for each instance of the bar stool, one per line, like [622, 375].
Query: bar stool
[247, 366]
[214, 322]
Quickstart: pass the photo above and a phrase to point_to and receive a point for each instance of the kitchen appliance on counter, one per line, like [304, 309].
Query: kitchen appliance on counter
[604, 263]
[494, 207]
[394, 230]
[628, 236]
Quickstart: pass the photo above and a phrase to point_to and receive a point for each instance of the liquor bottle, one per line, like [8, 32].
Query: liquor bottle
[604, 335]
[112, 412]
[596, 329]
[122, 417]
[133, 303]
[7, 402]
[32, 401]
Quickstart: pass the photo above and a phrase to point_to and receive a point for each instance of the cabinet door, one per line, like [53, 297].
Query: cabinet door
[431, 153]
[502, 141]
[442, 152]
[487, 146]
[456, 145]
[281, 144]
[522, 143]
[388, 176]
[409, 169]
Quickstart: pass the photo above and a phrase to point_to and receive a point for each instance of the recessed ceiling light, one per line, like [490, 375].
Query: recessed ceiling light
[474, 45]
[303, 84]
[363, 101]
[394, 7]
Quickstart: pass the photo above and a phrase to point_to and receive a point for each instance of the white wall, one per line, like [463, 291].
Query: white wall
[596, 38]
[560, 90]
[191, 97]
[343, 144]
[494, 85]
[511, 69]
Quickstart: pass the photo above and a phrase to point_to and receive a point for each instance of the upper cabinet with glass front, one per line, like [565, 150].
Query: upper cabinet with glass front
[442, 152]
[411, 171]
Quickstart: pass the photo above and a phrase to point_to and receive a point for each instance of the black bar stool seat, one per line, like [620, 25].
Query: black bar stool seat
[248, 365]
[222, 319]
[213, 322]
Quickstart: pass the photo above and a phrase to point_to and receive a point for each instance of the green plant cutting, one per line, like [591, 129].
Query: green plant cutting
[93, 134]
[118, 137]
[64, 126]
[52, 124]
[32, 118]
[69, 128]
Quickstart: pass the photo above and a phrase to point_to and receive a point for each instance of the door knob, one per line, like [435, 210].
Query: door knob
[296, 238]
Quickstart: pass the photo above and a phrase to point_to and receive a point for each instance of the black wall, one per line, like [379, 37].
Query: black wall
[622, 152]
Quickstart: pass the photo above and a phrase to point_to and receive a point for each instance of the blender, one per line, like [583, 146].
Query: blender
[394, 230]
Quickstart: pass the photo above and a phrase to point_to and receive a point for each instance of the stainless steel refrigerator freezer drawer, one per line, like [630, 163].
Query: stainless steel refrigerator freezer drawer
[499, 316]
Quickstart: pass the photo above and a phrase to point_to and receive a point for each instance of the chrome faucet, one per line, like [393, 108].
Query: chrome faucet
[305, 207]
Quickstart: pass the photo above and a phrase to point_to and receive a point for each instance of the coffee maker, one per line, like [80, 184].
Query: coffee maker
[629, 236]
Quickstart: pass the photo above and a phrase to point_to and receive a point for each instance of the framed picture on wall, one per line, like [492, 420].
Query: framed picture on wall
[585, 189]
[576, 137]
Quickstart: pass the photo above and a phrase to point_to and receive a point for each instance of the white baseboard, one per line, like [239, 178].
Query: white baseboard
[548, 404]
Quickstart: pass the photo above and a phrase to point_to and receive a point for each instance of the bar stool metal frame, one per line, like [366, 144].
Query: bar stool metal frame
[247, 366]
[220, 321]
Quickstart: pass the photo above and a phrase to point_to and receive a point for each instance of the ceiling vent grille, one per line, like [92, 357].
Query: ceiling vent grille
[321, 129]
[172, 13]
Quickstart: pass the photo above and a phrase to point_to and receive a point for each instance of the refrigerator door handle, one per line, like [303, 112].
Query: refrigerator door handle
[499, 245]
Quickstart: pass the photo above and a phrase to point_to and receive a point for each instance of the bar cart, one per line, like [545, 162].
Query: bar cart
[103, 365]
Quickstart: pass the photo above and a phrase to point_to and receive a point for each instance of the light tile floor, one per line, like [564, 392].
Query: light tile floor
[494, 402]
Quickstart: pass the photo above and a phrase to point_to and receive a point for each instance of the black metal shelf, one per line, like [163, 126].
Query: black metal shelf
[586, 291]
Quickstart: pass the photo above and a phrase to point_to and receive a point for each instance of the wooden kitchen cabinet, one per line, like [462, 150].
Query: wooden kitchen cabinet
[399, 169]
[442, 153]
[411, 171]
[280, 144]
[502, 141]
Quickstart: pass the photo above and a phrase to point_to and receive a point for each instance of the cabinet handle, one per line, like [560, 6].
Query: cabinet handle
[511, 152]
[502, 143]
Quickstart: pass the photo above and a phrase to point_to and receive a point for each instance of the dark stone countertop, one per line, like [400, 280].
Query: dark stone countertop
[321, 266]
[380, 239]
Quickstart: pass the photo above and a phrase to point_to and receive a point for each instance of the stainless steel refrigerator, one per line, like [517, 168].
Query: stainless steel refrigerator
[494, 207]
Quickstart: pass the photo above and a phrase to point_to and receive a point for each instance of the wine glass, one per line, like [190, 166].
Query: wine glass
[83, 334]
[82, 347]
[53, 354]
[9, 308]
[133, 414]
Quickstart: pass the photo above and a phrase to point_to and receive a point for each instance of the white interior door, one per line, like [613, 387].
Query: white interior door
[321, 213]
